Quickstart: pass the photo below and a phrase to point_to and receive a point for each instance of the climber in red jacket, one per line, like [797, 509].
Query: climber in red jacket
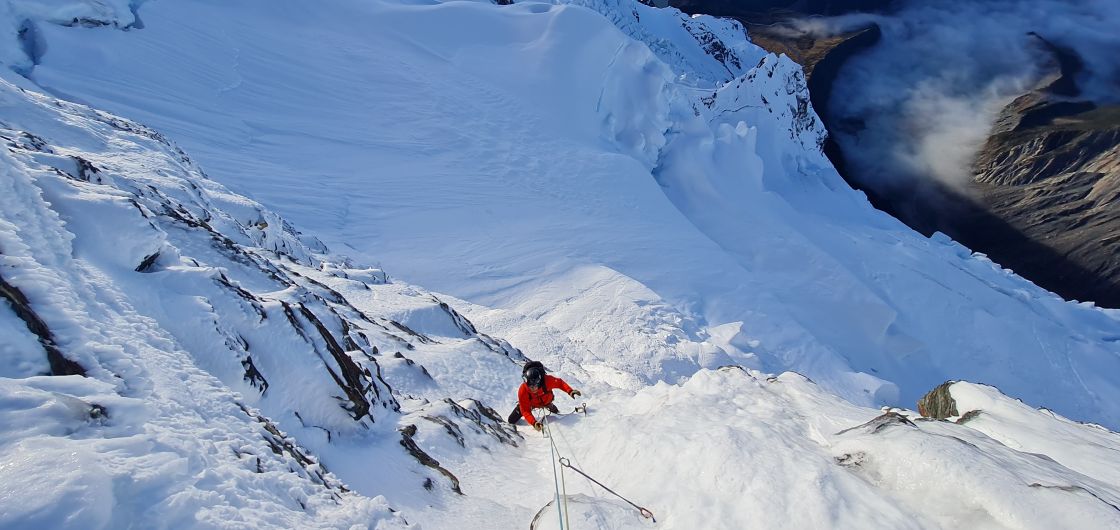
[536, 393]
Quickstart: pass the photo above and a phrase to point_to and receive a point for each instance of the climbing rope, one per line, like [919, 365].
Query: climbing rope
[564, 523]
[564, 462]
[572, 451]
[555, 485]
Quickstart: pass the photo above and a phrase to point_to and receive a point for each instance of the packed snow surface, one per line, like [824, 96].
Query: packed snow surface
[635, 197]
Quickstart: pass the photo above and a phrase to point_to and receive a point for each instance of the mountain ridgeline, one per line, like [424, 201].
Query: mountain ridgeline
[635, 197]
[1042, 197]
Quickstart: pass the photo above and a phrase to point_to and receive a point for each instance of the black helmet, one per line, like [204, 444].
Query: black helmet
[533, 374]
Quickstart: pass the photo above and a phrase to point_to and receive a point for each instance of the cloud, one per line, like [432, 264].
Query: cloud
[921, 103]
[818, 26]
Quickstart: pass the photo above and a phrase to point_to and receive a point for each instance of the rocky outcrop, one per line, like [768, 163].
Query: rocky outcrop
[1059, 184]
[938, 403]
[885, 421]
[226, 285]
[60, 365]
[299, 459]
[413, 449]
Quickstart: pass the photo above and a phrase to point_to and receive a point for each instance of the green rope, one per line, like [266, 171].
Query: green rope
[572, 451]
[556, 456]
[552, 448]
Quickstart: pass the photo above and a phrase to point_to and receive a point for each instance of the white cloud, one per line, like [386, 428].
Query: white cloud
[930, 91]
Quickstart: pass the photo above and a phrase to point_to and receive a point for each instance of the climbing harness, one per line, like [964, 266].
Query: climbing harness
[562, 515]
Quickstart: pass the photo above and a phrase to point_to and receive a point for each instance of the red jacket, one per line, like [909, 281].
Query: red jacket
[529, 400]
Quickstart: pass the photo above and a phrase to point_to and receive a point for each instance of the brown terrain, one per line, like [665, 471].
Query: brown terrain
[1046, 186]
[1051, 168]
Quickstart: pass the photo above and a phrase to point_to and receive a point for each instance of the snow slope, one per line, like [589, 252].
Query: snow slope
[174, 354]
[636, 213]
[148, 437]
[536, 159]
[790, 455]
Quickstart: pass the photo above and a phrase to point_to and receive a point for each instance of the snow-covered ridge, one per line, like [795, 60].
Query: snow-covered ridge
[706, 51]
[604, 206]
[176, 304]
[785, 453]
[745, 244]
[21, 44]
[73, 225]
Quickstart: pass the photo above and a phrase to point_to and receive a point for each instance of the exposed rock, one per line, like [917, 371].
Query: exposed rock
[968, 416]
[424, 458]
[812, 51]
[885, 421]
[485, 419]
[282, 444]
[1052, 171]
[59, 364]
[820, 57]
[254, 376]
[851, 459]
[147, 263]
[938, 403]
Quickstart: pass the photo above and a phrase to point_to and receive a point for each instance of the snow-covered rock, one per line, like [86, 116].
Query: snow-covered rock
[632, 196]
[516, 156]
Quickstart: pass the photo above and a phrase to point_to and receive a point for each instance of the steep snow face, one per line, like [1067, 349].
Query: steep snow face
[535, 158]
[787, 454]
[1087, 449]
[21, 45]
[237, 374]
[173, 349]
[705, 51]
[95, 213]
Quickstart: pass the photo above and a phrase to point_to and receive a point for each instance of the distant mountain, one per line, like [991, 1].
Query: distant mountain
[196, 329]
[776, 10]
[1045, 183]
[1051, 169]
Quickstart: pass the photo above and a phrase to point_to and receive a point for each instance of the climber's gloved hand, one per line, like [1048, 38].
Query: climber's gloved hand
[575, 393]
[538, 426]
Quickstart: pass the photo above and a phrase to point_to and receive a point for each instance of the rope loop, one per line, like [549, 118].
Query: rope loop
[564, 462]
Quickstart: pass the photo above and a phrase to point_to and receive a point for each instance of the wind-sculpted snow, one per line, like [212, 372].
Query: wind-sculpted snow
[634, 213]
[794, 457]
[125, 445]
[168, 292]
[511, 156]
[708, 51]
[21, 21]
